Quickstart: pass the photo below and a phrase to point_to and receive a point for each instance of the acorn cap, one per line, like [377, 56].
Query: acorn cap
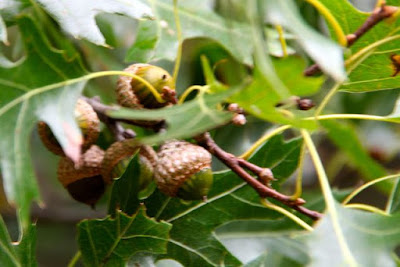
[148, 156]
[84, 183]
[134, 94]
[147, 160]
[48, 139]
[88, 122]
[183, 170]
[118, 156]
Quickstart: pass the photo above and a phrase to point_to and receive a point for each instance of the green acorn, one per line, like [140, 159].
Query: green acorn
[88, 122]
[134, 94]
[183, 170]
[118, 156]
[84, 183]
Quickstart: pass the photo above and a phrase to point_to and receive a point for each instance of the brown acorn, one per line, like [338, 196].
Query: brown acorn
[134, 94]
[88, 122]
[84, 183]
[118, 156]
[183, 170]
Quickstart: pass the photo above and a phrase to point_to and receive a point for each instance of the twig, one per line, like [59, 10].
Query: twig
[237, 164]
[169, 95]
[119, 132]
[379, 14]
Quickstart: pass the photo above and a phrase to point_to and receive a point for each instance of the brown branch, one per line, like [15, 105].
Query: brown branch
[379, 14]
[237, 165]
[119, 132]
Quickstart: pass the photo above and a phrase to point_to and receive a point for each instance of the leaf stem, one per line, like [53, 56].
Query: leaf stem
[262, 140]
[179, 35]
[288, 214]
[282, 40]
[353, 116]
[366, 185]
[207, 71]
[367, 208]
[326, 99]
[299, 179]
[369, 48]
[189, 90]
[164, 205]
[87, 77]
[329, 200]
[75, 259]
[331, 20]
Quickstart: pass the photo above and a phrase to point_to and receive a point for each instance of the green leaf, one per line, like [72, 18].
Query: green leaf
[345, 137]
[26, 248]
[197, 20]
[112, 241]
[3, 31]
[193, 117]
[323, 51]
[256, 242]
[374, 72]
[260, 97]
[125, 190]
[394, 116]
[274, 44]
[78, 17]
[273, 259]
[8, 256]
[22, 253]
[370, 239]
[24, 99]
[10, 8]
[274, 251]
[192, 239]
[394, 199]
[145, 43]
[263, 241]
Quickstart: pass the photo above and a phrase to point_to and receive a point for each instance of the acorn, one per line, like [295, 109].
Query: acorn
[118, 157]
[88, 122]
[183, 170]
[132, 93]
[84, 183]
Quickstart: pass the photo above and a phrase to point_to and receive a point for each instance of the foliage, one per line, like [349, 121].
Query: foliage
[252, 53]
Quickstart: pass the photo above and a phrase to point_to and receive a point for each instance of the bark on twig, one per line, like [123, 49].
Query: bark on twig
[237, 165]
[119, 132]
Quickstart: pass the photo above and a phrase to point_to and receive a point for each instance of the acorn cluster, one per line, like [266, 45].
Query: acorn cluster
[179, 168]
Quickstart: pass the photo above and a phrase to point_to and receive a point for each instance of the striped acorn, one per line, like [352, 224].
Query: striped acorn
[87, 121]
[118, 156]
[84, 183]
[132, 93]
[183, 170]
